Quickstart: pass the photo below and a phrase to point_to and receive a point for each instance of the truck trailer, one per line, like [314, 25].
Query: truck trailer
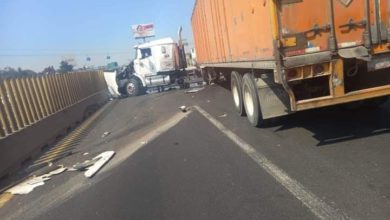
[284, 56]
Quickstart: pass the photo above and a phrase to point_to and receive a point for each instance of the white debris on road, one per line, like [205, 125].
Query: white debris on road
[184, 108]
[195, 90]
[101, 160]
[105, 134]
[29, 185]
[223, 116]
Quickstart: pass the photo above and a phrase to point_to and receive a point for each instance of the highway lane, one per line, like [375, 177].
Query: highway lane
[194, 171]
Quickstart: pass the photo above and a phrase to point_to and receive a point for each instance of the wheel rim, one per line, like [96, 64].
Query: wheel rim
[130, 88]
[248, 100]
[236, 96]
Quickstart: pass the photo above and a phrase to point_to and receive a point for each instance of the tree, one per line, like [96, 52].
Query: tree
[10, 72]
[49, 71]
[65, 67]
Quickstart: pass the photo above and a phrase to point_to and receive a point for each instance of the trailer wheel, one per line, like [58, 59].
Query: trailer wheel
[251, 101]
[134, 88]
[236, 88]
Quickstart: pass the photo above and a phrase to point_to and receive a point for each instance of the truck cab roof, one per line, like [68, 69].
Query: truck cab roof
[163, 41]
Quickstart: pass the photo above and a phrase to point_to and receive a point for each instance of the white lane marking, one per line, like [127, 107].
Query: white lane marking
[318, 207]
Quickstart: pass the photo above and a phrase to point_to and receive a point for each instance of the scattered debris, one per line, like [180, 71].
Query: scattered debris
[105, 134]
[93, 166]
[29, 185]
[195, 90]
[184, 108]
[144, 142]
[101, 160]
[47, 169]
[82, 166]
[223, 116]
[85, 154]
[208, 101]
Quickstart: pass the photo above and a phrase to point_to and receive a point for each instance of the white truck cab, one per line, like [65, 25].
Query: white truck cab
[157, 63]
[155, 57]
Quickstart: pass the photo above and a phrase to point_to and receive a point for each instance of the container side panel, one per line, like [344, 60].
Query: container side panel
[233, 30]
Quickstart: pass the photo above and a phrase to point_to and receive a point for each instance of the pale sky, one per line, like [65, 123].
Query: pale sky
[35, 34]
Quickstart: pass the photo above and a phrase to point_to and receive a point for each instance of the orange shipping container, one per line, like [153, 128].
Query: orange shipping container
[229, 31]
[314, 52]
[242, 30]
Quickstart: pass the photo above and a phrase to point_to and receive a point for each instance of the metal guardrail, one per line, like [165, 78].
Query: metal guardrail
[27, 100]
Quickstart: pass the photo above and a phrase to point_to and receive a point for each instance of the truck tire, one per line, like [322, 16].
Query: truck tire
[236, 88]
[251, 101]
[134, 88]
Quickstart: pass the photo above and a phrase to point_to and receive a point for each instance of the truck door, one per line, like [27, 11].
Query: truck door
[353, 28]
[305, 26]
[361, 23]
[351, 22]
[144, 63]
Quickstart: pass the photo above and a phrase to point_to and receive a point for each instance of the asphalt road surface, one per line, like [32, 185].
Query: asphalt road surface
[210, 163]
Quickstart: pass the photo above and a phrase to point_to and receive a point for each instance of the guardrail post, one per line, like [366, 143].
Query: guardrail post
[43, 82]
[12, 101]
[25, 102]
[7, 109]
[54, 90]
[63, 90]
[5, 128]
[68, 78]
[48, 84]
[66, 87]
[33, 97]
[57, 86]
[19, 102]
[39, 97]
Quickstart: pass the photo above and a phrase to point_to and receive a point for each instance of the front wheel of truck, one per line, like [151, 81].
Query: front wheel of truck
[134, 87]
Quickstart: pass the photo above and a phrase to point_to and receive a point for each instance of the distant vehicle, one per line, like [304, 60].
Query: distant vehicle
[157, 64]
[289, 56]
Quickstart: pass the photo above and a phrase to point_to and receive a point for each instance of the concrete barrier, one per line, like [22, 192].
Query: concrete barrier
[32, 121]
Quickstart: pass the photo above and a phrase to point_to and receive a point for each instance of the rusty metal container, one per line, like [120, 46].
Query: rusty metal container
[228, 31]
[236, 30]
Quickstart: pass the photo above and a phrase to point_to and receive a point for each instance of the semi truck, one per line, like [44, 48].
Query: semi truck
[157, 64]
[285, 56]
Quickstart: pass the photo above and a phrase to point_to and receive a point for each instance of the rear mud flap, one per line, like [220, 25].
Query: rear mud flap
[360, 53]
[274, 101]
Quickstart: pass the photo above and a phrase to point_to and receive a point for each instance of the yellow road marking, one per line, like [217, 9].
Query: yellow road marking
[52, 157]
[55, 151]
[4, 198]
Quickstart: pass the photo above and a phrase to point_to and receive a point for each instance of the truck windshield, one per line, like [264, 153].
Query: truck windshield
[145, 53]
